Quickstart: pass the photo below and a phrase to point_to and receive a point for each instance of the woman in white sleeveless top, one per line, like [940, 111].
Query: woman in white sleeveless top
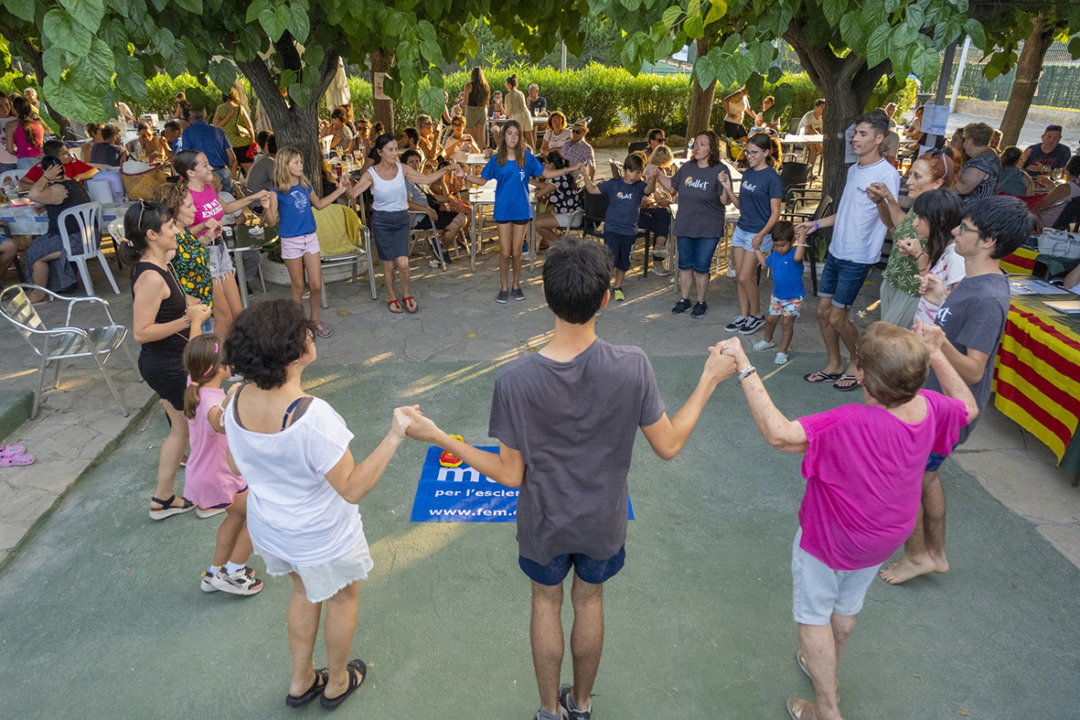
[390, 214]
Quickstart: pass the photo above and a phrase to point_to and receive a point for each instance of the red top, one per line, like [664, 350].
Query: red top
[71, 170]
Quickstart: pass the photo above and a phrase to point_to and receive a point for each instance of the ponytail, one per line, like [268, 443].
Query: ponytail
[203, 357]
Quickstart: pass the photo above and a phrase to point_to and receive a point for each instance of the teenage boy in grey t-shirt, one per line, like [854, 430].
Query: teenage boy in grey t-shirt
[566, 419]
[973, 318]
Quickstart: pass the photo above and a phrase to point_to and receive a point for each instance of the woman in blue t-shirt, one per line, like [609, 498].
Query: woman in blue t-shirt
[291, 205]
[758, 203]
[511, 169]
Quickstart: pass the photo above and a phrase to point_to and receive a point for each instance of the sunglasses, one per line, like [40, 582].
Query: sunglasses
[579, 131]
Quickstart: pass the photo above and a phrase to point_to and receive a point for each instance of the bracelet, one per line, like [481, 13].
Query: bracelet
[801, 245]
[746, 372]
[919, 255]
[816, 226]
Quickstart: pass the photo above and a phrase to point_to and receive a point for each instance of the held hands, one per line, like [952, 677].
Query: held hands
[909, 247]
[652, 172]
[722, 363]
[724, 179]
[421, 427]
[932, 335]
[805, 228]
[402, 419]
[198, 313]
[931, 288]
[879, 192]
[755, 242]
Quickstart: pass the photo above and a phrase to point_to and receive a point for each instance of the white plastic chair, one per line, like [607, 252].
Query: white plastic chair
[11, 176]
[64, 343]
[87, 216]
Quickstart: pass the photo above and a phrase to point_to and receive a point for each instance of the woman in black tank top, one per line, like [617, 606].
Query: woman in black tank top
[163, 322]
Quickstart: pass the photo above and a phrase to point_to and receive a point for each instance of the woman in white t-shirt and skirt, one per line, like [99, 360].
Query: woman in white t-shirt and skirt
[293, 450]
[390, 223]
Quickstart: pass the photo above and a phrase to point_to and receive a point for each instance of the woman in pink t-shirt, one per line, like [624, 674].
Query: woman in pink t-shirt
[25, 136]
[209, 210]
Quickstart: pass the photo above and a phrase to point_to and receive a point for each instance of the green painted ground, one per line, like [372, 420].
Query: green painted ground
[102, 616]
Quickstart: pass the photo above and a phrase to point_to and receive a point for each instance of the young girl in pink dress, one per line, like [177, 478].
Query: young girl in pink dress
[210, 484]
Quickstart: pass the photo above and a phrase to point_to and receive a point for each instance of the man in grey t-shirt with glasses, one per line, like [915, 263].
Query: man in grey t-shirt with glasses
[566, 419]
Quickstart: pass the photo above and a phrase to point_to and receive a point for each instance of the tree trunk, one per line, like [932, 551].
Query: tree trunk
[846, 84]
[701, 101]
[1028, 70]
[294, 124]
[384, 109]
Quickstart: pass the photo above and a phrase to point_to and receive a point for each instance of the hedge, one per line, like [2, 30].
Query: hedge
[611, 96]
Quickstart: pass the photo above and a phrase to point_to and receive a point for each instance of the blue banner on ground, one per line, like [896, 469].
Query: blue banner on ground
[462, 494]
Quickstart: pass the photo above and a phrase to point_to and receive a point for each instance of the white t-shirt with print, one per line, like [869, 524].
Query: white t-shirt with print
[858, 232]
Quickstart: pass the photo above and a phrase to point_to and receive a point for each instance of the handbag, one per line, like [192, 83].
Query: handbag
[1060, 243]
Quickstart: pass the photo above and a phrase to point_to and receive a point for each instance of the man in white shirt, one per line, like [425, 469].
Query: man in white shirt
[811, 124]
[858, 235]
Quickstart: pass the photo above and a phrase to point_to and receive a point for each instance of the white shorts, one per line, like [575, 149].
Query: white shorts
[819, 592]
[563, 218]
[219, 259]
[322, 582]
[299, 246]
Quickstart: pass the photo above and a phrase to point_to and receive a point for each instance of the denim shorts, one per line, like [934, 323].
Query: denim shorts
[934, 462]
[842, 280]
[696, 253]
[589, 570]
[744, 239]
[819, 592]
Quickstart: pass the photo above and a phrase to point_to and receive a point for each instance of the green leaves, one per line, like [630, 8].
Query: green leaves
[432, 100]
[672, 16]
[87, 13]
[22, 9]
[222, 73]
[877, 45]
[61, 30]
[834, 10]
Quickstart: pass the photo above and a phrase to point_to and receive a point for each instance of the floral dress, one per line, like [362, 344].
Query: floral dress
[192, 268]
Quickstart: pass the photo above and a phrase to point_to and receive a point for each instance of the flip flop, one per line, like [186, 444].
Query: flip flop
[816, 378]
[410, 304]
[799, 709]
[12, 450]
[847, 388]
[356, 679]
[395, 307]
[322, 330]
[316, 689]
[16, 460]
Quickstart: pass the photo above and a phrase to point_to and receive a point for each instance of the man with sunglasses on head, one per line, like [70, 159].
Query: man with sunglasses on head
[1047, 156]
[973, 318]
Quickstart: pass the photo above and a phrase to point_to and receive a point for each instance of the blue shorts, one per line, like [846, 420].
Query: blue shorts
[842, 280]
[696, 253]
[621, 247]
[819, 592]
[589, 570]
[744, 239]
[934, 462]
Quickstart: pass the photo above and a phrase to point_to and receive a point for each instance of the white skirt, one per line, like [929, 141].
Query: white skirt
[322, 582]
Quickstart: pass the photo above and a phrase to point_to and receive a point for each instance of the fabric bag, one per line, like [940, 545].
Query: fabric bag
[1060, 243]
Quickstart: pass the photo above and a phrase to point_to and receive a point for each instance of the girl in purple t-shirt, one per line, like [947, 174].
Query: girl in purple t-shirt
[192, 166]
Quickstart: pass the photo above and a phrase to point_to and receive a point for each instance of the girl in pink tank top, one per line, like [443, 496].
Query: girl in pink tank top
[193, 167]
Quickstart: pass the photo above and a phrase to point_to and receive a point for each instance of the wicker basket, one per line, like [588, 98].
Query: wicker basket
[141, 186]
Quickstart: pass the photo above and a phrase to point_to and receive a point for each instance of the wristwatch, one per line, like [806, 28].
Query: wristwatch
[747, 372]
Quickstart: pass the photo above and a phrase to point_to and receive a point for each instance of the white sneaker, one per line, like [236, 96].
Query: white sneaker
[764, 345]
[239, 583]
[659, 271]
[780, 359]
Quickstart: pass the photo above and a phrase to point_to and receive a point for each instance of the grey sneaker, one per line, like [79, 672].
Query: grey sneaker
[564, 703]
[517, 294]
[502, 297]
[736, 324]
[752, 324]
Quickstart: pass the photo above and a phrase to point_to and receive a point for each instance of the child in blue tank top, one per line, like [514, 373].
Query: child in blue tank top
[291, 207]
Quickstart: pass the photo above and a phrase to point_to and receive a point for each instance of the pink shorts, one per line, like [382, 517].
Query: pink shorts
[296, 247]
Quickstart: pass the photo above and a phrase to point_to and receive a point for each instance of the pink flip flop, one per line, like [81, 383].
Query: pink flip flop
[16, 460]
[11, 449]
